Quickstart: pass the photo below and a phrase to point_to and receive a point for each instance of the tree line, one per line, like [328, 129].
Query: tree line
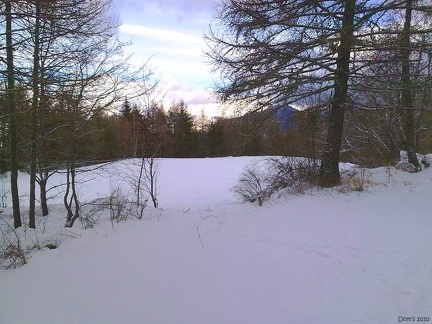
[134, 130]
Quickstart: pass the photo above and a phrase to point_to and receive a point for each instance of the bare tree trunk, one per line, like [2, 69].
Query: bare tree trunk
[71, 198]
[43, 196]
[139, 184]
[75, 200]
[44, 168]
[71, 201]
[329, 172]
[407, 96]
[151, 177]
[66, 199]
[34, 120]
[12, 116]
[153, 184]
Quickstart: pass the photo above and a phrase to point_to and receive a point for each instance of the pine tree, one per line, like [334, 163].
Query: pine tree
[184, 137]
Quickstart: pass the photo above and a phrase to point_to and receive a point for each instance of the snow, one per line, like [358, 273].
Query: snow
[329, 256]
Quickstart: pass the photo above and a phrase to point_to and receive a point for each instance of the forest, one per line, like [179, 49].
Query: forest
[357, 72]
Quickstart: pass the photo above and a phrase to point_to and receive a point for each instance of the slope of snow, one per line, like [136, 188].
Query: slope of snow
[324, 257]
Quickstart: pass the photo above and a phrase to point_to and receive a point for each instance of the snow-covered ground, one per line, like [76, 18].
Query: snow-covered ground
[322, 257]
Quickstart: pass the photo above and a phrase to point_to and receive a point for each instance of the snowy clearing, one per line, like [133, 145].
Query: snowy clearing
[323, 257]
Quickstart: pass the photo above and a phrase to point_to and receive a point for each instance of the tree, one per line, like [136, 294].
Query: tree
[329, 171]
[134, 128]
[287, 52]
[397, 83]
[184, 137]
[156, 132]
[12, 104]
[407, 98]
[215, 139]
[71, 64]
[34, 115]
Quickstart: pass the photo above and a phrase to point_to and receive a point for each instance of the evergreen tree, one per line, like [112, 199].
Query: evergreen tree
[215, 139]
[184, 137]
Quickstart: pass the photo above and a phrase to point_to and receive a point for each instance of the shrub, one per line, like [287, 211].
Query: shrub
[251, 186]
[260, 181]
[296, 174]
[12, 254]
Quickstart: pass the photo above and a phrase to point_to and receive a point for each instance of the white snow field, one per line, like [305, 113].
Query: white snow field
[322, 257]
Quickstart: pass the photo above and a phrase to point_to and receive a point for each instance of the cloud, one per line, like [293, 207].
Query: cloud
[192, 95]
[182, 87]
[171, 33]
[181, 52]
[195, 99]
[160, 34]
[187, 6]
[202, 98]
[162, 11]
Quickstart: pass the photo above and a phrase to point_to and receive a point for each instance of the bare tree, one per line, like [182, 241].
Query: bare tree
[407, 98]
[285, 52]
[67, 59]
[149, 173]
[34, 116]
[101, 77]
[329, 171]
[12, 111]
[396, 80]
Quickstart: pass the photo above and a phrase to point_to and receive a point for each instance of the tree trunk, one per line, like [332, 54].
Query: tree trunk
[42, 159]
[74, 196]
[12, 116]
[34, 121]
[43, 197]
[151, 177]
[329, 171]
[71, 201]
[66, 200]
[407, 96]
[153, 185]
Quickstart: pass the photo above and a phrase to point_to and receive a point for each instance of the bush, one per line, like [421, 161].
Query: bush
[12, 254]
[251, 186]
[260, 181]
[296, 174]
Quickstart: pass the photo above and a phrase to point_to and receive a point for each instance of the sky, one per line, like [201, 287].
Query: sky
[170, 32]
